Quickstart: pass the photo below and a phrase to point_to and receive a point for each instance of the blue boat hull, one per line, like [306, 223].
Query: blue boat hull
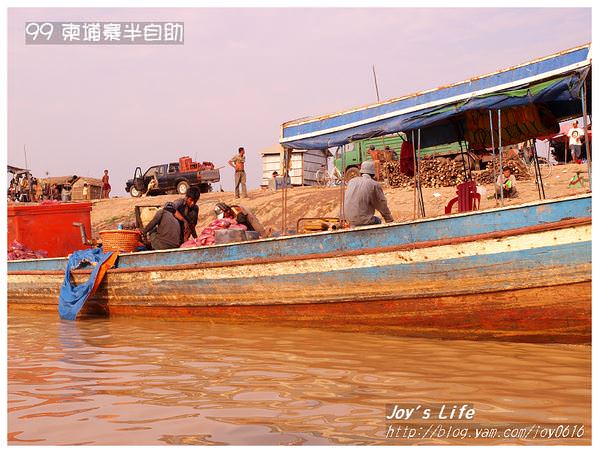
[419, 278]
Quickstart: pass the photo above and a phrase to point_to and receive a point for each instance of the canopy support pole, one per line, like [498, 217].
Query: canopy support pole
[414, 158]
[284, 192]
[500, 153]
[493, 149]
[467, 169]
[538, 176]
[587, 143]
[342, 185]
[420, 198]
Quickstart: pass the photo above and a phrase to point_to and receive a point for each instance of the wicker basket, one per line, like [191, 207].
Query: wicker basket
[120, 240]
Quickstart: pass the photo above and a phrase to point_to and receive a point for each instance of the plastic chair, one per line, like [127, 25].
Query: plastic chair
[468, 198]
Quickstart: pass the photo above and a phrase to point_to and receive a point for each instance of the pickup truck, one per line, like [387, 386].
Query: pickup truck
[171, 180]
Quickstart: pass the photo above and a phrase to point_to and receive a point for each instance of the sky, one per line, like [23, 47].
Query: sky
[240, 74]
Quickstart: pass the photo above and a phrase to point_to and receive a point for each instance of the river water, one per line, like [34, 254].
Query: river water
[150, 382]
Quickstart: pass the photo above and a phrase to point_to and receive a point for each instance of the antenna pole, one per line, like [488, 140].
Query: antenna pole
[376, 85]
[25, 152]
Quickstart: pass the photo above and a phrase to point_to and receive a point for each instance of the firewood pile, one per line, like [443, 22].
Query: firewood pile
[442, 172]
[434, 172]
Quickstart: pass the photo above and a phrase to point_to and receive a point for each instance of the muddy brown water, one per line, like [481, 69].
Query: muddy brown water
[149, 382]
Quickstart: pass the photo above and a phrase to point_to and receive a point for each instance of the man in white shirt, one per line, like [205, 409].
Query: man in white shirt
[575, 135]
[363, 196]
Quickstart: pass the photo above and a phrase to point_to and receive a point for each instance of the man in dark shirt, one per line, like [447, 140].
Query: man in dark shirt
[187, 212]
[164, 229]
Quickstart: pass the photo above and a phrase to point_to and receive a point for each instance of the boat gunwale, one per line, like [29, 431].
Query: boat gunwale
[561, 224]
[342, 231]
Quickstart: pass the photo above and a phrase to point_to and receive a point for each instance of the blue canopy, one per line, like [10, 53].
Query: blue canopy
[553, 81]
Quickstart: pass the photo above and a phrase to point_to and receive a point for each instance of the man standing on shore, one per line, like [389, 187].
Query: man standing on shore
[105, 185]
[575, 135]
[238, 163]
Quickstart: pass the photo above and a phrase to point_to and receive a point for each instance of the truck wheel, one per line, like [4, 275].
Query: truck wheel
[182, 187]
[351, 173]
[134, 192]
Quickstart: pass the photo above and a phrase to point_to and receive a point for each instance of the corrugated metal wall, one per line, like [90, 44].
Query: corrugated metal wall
[304, 165]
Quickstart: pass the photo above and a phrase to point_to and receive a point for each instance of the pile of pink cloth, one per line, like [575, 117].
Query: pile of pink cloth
[207, 237]
[17, 251]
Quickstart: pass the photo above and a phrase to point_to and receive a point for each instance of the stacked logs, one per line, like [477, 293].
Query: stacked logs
[434, 172]
[442, 172]
[394, 177]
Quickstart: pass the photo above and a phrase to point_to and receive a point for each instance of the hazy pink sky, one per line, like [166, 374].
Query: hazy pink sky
[240, 74]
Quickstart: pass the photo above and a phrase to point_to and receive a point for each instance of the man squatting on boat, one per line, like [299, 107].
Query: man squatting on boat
[173, 224]
[363, 196]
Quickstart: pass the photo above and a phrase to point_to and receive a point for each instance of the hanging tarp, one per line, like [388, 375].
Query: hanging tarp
[518, 124]
[553, 81]
[72, 297]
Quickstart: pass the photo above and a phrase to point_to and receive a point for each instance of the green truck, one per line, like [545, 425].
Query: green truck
[354, 157]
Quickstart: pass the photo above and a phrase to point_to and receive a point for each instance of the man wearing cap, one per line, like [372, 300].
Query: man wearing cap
[164, 229]
[363, 196]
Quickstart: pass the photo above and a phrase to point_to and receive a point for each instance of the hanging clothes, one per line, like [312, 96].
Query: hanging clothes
[406, 159]
[73, 297]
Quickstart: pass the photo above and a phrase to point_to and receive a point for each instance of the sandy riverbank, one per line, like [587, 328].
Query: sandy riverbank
[321, 202]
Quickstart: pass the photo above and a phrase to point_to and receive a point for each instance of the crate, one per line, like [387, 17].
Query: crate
[120, 240]
[185, 163]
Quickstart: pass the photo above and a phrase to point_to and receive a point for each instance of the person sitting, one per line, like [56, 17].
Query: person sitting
[153, 184]
[242, 215]
[66, 193]
[507, 182]
[363, 196]
[164, 229]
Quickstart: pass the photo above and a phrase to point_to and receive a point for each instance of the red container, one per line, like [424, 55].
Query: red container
[184, 163]
[49, 227]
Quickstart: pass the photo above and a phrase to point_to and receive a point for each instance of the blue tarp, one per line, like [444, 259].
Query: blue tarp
[433, 109]
[72, 297]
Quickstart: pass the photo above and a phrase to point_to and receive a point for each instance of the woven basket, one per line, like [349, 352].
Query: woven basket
[120, 240]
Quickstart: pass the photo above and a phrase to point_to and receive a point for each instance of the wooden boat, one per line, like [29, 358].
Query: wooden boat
[520, 273]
